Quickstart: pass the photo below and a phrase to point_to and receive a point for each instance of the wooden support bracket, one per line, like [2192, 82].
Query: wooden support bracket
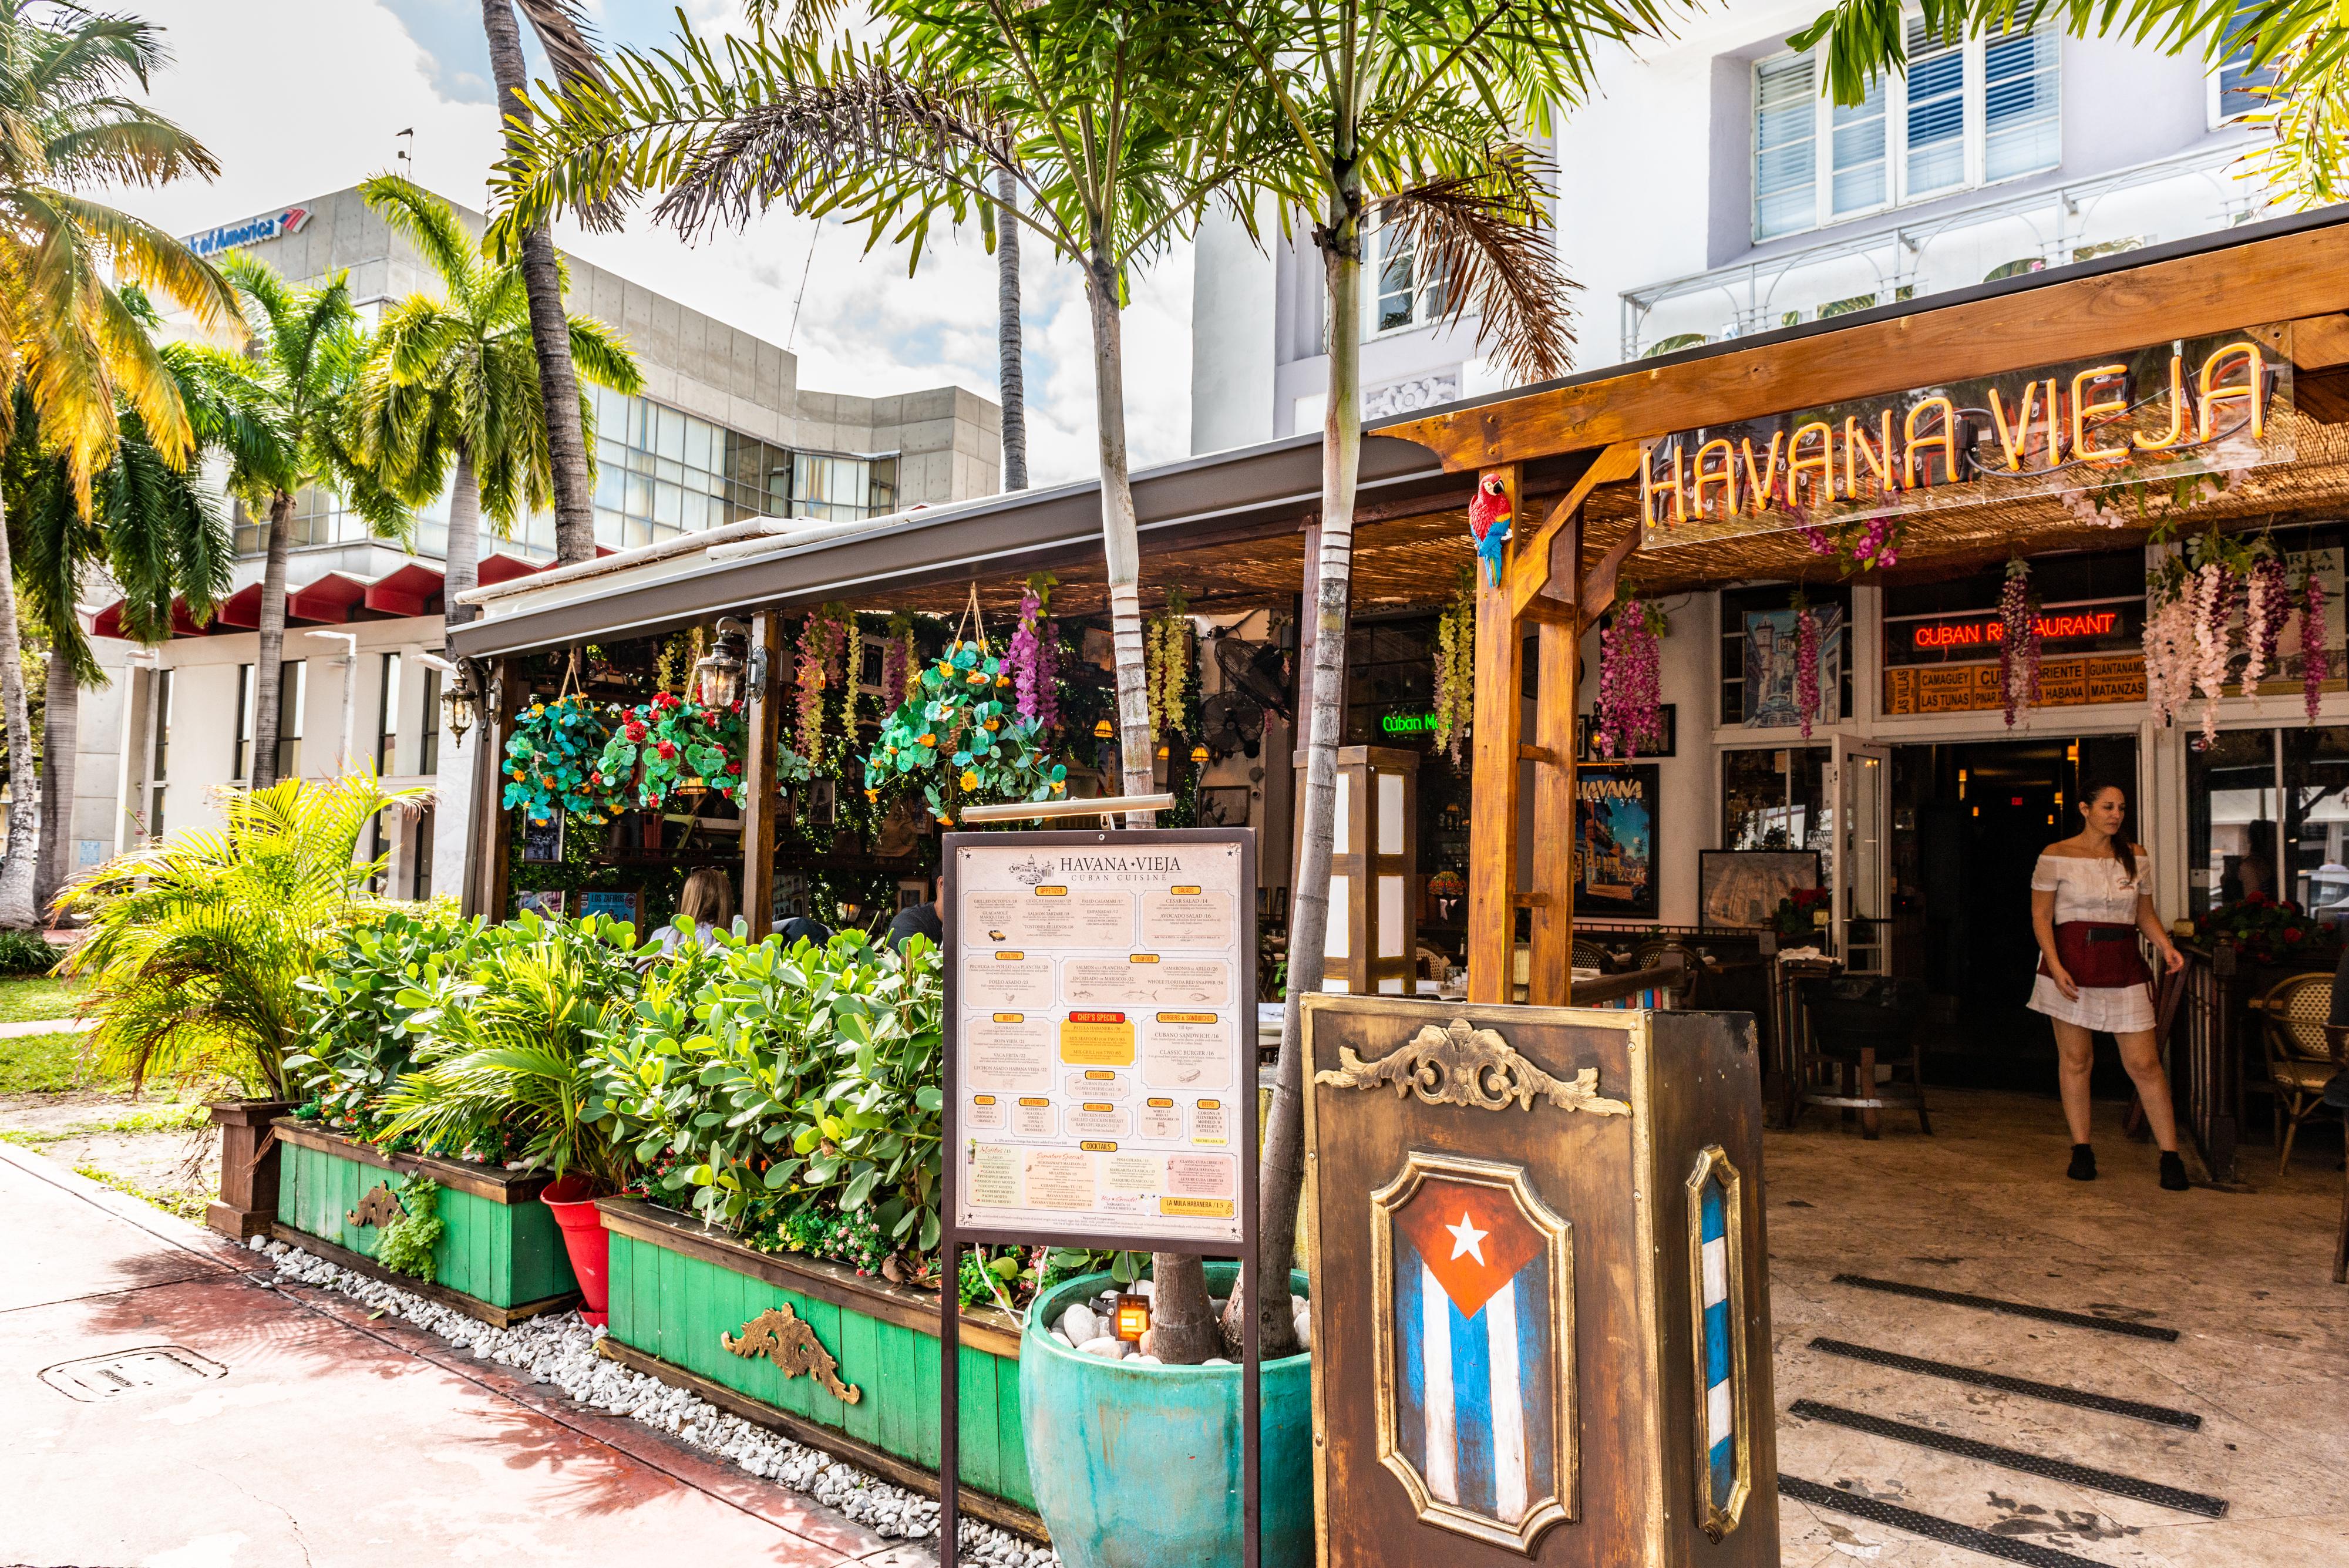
[1531, 573]
[1535, 754]
[1598, 591]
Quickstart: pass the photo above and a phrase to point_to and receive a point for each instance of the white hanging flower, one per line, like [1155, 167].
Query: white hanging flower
[2210, 644]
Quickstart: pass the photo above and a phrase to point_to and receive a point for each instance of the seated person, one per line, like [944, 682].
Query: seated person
[706, 906]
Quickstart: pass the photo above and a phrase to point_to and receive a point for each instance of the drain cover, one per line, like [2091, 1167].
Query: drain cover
[100, 1378]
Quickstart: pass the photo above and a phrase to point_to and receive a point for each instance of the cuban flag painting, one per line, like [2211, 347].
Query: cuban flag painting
[1719, 1368]
[1475, 1367]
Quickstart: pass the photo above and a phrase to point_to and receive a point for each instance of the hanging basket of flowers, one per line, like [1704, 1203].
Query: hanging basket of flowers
[955, 737]
[552, 761]
[670, 745]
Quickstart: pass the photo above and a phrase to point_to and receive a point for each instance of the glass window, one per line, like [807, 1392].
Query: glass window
[243, 723]
[293, 689]
[428, 758]
[2232, 807]
[162, 726]
[1775, 798]
[2242, 89]
[2315, 872]
[1859, 173]
[1406, 294]
[2022, 103]
[1785, 132]
[387, 745]
[1936, 112]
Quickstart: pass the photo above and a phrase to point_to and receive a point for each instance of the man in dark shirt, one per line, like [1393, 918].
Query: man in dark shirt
[917, 917]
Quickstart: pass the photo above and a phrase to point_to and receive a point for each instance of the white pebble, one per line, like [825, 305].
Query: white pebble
[1078, 1324]
[1107, 1347]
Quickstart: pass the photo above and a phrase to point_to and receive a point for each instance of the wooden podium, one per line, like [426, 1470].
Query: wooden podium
[1541, 1296]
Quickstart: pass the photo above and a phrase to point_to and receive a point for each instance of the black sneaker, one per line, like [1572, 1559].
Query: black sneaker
[2083, 1163]
[2173, 1173]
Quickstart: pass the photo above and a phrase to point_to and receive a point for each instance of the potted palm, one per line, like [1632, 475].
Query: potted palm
[198, 949]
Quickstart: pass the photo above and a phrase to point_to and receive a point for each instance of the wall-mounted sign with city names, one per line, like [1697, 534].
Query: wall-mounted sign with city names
[1101, 1000]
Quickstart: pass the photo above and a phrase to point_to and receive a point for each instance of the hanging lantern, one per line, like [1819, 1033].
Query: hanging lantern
[460, 704]
[717, 676]
[1162, 752]
[1104, 730]
[1199, 755]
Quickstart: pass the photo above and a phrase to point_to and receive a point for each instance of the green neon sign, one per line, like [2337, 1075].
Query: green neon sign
[1407, 723]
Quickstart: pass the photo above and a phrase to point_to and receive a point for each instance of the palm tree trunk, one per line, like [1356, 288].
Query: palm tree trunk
[1182, 1324]
[60, 744]
[17, 909]
[1010, 376]
[1280, 1172]
[549, 331]
[268, 665]
[462, 564]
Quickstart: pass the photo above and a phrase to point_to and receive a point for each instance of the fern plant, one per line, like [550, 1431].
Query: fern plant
[405, 1245]
[198, 945]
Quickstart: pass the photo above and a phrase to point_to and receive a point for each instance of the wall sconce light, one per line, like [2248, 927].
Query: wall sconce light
[1199, 756]
[718, 675]
[460, 704]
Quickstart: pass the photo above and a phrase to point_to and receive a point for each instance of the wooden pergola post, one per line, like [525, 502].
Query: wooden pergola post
[1495, 712]
[762, 799]
[492, 884]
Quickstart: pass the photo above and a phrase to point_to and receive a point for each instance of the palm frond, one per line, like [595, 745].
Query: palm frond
[1486, 235]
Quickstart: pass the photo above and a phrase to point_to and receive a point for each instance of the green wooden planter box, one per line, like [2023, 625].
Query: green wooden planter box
[500, 1257]
[676, 1289]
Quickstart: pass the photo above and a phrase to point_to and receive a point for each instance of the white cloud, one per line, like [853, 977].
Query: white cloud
[298, 98]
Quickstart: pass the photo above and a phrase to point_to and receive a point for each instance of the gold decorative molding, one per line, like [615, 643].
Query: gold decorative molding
[785, 1338]
[1718, 1518]
[1465, 1066]
[381, 1205]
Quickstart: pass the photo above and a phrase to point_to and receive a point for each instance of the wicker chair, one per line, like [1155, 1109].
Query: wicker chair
[2301, 1057]
[1666, 955]
[1591, 955]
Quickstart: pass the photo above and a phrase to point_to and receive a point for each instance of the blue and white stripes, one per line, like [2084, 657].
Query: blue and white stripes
[1475, 1395]
[1720, 1365]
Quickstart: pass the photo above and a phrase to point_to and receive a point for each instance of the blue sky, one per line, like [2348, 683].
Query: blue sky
[297, 98]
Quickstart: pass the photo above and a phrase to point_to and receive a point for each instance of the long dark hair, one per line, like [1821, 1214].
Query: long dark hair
[2121, 850]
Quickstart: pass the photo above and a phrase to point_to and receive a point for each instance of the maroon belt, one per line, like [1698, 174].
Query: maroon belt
[2100, 953]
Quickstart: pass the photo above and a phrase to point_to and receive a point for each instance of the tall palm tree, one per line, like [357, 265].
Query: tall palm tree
[1011, 372]
[153, 528]
[452, 383]
[288, 395]
[563, 33]
[68, 121]
[1407, 113]
[1113, 127]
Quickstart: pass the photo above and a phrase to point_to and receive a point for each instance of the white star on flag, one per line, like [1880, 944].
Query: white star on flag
[1466, 1239]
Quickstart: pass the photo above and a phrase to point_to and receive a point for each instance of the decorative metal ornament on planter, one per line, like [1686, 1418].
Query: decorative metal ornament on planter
[554, 761]
[955, 736]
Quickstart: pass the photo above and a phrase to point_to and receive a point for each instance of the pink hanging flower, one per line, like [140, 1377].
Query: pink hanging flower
[2018, 641]
[1817, 538]
[2313, 660]
[1631, 685]
[1806, 667]
[2168, 647]
[2212, 602]
[2267, 605]
[1033, 658]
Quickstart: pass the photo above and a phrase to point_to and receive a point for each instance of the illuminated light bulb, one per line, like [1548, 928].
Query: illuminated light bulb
[1132, 1317]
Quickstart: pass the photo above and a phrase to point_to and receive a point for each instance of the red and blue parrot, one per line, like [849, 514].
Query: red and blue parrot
[1488, 522]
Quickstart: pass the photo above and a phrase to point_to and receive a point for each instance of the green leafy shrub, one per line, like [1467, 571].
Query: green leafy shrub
[360, 1035]
[25, 952]
[405, 1245]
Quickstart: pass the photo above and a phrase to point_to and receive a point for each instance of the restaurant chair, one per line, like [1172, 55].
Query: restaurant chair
[1858, 1023]
[1591, 955]
[1671, 955]
[2301, 1057]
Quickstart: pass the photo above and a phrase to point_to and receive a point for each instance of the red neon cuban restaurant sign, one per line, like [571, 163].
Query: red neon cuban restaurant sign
[2153, 415]
[1949, 633]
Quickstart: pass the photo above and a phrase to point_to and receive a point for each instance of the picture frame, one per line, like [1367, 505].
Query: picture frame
[1225, 805]
[823, 803]
[1739, 890]
[1616, 813]
[1770, 667]
[616, 903]
[790, 899]
[546, 902]
[1669, 716]
[542, 842]
[912, 892]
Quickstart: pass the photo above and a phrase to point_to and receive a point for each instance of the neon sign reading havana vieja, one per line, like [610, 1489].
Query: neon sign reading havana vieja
[2195, 406]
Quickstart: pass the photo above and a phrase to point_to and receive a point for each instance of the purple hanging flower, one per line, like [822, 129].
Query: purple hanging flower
[2018, 641]
[1631, 687]
[2312, 661]
[1806, 667]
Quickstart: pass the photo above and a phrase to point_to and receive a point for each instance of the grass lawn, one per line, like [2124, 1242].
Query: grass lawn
[40, 997]
[45, 1064]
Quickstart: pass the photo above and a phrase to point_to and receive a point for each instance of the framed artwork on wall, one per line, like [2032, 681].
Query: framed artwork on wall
[1615, 840]
[613, 903]
[543, 901]
[1740, 890]
[542, 842]
[1669, 716]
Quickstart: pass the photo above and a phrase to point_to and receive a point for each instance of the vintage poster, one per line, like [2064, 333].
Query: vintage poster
[1615, 840]
[1770, 655]
[1103, 1015]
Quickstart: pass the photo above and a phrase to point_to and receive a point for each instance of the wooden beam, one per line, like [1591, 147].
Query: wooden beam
[1534, 563]
[2320, 342]
[2283, 277]
[1596, 597]
[762, 795]
[1497, 708]
[1549, 974]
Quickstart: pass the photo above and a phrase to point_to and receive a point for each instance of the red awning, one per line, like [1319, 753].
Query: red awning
[416, 588]
[330, 598]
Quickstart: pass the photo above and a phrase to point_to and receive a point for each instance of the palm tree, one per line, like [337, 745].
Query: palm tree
[452, 383]
[198, 945]
[1012, 373]
[563, 33]
[67, 334]
[154, 528]
[287, 400]
[2297, 50]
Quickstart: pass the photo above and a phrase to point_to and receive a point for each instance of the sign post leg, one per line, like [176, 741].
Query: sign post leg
[949, 1390]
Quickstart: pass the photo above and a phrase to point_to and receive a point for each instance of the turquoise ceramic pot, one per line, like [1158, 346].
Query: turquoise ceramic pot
[1139, 1467]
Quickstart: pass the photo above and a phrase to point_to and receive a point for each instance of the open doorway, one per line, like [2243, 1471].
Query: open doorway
[1969, 821]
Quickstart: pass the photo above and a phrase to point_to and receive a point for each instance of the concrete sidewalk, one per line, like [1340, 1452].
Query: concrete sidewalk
[268, 1426]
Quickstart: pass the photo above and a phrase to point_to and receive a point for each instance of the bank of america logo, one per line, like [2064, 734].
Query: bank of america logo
[1478, 1308]
[249, 232]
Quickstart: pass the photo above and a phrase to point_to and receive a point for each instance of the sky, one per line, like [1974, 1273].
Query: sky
[299, 98]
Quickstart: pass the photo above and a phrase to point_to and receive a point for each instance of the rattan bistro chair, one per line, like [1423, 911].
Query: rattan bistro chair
[1670, 955]
[2300, 1058]
[1591, 955]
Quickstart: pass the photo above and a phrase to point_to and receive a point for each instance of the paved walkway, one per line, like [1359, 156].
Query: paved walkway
[325, 1439]
[24, 1026]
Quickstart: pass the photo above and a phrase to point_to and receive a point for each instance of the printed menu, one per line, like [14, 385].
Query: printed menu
[1104, 1020]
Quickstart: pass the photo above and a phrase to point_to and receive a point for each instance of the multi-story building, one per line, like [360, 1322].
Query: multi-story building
[722, 432]
[1710, 191]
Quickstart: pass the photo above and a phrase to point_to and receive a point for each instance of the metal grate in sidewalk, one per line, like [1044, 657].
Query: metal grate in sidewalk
[2010, 1309]
[1949, 1532]
[2054, 1392]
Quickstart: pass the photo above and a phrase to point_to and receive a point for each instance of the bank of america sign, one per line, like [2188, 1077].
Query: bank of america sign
[249, 231]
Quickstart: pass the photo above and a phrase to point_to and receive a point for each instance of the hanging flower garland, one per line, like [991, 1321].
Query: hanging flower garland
[2267, 605]
[2168, 640]
[823, 639]
[2313, 660]
[1456, 667]
[661, 746]
[2018, 640]
[897, 658]
[1630, 686]
[551, 763]
[2213, 598]
[1034, 654]
[1806, 661]
[954, 736]
[1167, 661]
[1857, 545]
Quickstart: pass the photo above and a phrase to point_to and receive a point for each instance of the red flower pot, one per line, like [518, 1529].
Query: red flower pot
[584, 1237]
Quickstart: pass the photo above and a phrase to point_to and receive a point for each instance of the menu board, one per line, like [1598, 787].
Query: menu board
[1103, 1024]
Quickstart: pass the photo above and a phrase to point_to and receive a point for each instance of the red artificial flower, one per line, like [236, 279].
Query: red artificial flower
[2256, 897]
[2294, 935]
[710, 718]
[667, 750]
[734, 767]
[635, 732]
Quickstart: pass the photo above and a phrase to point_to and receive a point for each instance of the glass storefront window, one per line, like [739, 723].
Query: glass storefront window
[2232, 804]
[1735, 604]
[1775, 798]
[2315, 871]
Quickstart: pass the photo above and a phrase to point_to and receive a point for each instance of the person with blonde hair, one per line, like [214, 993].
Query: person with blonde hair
[705, 906]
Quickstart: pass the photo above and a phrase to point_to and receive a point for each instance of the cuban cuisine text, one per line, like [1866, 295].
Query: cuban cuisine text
[2207, 405]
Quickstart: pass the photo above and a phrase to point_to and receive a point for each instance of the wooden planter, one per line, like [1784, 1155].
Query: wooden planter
[500, 1257]
[249, 1165]
[680, 1292]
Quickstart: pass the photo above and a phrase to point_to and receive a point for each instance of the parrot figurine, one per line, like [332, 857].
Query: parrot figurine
[1488, 522]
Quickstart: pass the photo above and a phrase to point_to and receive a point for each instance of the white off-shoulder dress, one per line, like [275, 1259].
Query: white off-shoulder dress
[2093, 887]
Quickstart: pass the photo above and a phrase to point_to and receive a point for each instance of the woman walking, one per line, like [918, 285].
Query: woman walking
[2090, 899]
